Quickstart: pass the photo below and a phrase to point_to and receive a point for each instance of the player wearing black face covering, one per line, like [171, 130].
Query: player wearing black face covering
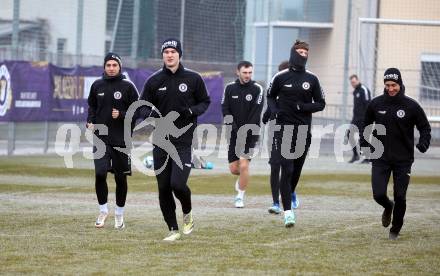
[276, 168]
[399, 114]
[293, 95]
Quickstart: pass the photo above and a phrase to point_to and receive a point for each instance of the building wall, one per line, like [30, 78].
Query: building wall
[327, 45]
[402, 46]
[61, 19]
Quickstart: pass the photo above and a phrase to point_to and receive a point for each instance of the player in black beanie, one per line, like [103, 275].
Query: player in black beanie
[399, 114]
[109, 99]
[115, 57]
[172, 43]
[175, 89]
[393, 74]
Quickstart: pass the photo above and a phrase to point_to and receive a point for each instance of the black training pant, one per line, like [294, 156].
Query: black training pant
[117, 163]
[275, 176]
[381, 171]
[360, 129]
[172, 180]
[290, 168]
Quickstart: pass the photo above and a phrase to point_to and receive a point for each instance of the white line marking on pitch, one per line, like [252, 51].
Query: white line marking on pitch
[332, 232]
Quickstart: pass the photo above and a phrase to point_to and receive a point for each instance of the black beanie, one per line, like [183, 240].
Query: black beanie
[393, 74]
[172, 43]
[113, 56]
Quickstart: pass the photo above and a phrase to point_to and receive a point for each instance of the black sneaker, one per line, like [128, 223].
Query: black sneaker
[386, 215]
[354, 159]
[393, 236]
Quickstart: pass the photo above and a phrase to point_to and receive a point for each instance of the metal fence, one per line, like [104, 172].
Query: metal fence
[215, 34]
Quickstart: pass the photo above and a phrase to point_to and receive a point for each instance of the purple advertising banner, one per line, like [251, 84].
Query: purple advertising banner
[44, 92]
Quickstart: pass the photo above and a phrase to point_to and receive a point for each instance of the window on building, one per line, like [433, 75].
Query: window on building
[61, 48]
[108, 43]
[430, 78]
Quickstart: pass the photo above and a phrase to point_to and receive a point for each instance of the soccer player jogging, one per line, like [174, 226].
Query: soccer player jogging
[293, 95]
[361, 98]
[175, 89]
[109, 99]
[276, 168]
[399, 114]
[243, 100]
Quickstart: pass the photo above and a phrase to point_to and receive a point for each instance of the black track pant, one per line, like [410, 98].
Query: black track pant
[290, 174]
[172, 180]
[117, 163]
[381, 172]
[290, 168]
[102, 189]
[275, 177]
[275, 182]
[352, 141]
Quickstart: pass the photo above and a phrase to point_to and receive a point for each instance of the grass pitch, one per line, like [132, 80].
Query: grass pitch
[48, 212]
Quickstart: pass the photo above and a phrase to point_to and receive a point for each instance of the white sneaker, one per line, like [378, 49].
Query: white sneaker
[100, 221]
[239, 203]
[289, 220]
[119, 222]
[173, 236]
[188, 223]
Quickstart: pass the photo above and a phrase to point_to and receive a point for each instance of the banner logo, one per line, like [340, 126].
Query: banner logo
[5, 90]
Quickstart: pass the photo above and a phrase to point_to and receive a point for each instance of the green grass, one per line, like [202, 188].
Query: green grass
[47, 214]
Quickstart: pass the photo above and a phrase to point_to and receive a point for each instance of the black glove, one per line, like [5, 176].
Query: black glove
[185, 112]
[422, 147]
[280, 116]
[266, 116]
[298, 106]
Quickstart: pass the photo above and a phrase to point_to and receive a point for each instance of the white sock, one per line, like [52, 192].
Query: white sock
[241, 193]
[287, 213]
[119, 211]
[103, 208]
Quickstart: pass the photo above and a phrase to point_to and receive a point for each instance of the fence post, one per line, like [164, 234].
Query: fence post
[11, 138]
[346, 63]
[46, 137]
[79, 32]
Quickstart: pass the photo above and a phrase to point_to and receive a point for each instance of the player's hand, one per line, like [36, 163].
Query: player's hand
[90, 126]
[115, 113]
[185, 112]
[266, 117]
[422, 147]
[281, 116]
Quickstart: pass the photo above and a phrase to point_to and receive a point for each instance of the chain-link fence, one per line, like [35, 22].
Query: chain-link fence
[216, 34]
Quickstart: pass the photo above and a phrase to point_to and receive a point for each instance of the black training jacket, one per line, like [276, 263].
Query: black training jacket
[399, 115]
[105, 94]
[184, 92]
[361, 98]
[244, 102]
[294, 95]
